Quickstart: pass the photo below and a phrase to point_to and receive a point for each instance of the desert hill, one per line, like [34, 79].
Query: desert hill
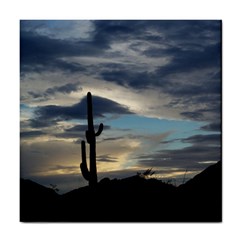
[133, 199]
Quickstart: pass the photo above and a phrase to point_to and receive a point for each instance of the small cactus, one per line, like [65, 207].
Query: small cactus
[90, 175]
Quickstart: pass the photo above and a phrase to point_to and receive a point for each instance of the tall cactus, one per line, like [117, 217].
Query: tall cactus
[90, 175]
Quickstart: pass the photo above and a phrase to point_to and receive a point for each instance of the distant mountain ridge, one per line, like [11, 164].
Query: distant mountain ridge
[205, 178]
[133, 199]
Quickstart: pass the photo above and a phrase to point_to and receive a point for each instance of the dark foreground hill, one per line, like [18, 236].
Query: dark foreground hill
[133, 199]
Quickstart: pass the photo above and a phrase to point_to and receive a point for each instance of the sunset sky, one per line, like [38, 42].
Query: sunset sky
[156, 87]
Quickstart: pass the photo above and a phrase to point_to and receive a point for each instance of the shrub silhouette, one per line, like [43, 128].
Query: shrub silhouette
[54, 187]
[90, 175]
[146, 174]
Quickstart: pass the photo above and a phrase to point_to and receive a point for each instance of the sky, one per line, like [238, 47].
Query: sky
[156, 87]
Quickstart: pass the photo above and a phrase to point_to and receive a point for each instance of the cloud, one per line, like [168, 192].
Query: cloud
[78, 131]
[35, 95]
[186, 42]
[31, 134]
[155, 31]
[216, 127]
[101, 107]
[49, 92]
[203, 148]
[65, 168]
[41, 52]
[208, 140]
[65, 89]
[209, 112]
[106, 158]
[80, 128]
[59, 29]
[191, 74]
[40, 157]
[130, 78]
[194, 115]
[186, 158]
[71, 135]
[190, 45]
[189, 60]
[113, 138]
[178, 59]
[41, 122]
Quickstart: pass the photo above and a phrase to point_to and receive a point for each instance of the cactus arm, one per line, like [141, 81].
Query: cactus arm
[83, 165]
[85, 171]
[100, 129]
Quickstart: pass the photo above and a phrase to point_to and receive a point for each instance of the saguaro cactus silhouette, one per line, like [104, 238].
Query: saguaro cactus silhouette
[90, 175]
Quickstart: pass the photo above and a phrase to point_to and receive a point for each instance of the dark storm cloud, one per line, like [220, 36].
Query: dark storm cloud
[101, 105]
[194, 115]
[35, 94]
[50, 63]
[215, 127]
[64, 89]
[113, 138]
[187, 60]
[31, 134]
[211, 139]
[67, 135]
[192, 97]
[191, 77]
[207, 104]
[183, 62]
[126, 136]
[77, 131]
[130, 78]
[106, 158]
[77, 128]
[107, 30]
[41, 122]
[156, 31]
[204, 148]
[208, 113]
[63, 167]
[191, 45]
[80, 128]
[41, 53]
[189, 157]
